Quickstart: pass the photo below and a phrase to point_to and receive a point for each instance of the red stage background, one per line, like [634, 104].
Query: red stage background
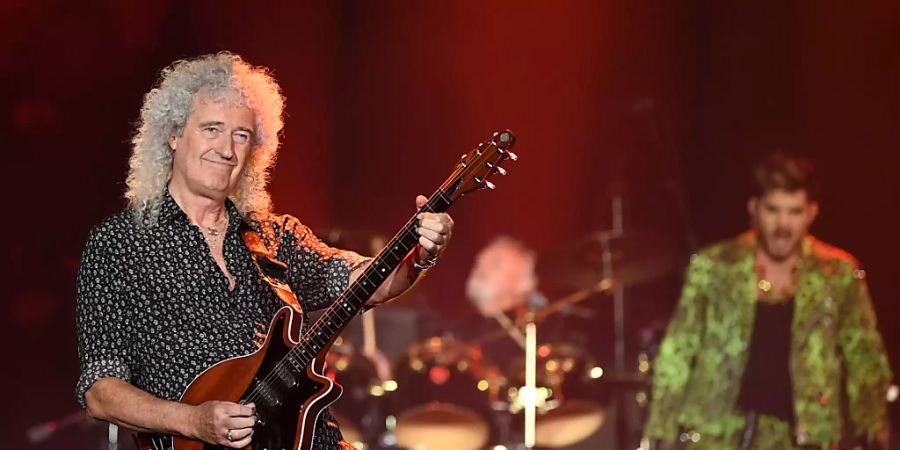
[654, 100]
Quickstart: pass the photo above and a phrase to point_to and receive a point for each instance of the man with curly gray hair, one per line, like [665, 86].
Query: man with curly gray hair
[168, 287]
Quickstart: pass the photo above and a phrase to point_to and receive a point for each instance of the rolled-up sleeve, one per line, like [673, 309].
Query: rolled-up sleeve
[102, 313]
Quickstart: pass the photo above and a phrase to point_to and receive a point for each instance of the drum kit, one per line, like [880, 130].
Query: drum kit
[446, 393]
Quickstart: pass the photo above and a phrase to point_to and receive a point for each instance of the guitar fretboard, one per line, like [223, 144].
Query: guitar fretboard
[329, 325]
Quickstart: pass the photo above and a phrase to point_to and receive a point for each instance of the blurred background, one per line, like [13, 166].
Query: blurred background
[662, 104]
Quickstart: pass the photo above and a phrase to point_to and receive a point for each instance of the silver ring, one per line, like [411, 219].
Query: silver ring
[229, 436]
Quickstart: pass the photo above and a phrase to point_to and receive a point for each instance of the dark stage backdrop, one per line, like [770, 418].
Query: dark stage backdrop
[665, 103]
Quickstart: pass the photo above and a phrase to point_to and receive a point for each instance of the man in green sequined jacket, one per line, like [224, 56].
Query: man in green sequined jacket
[836, 372]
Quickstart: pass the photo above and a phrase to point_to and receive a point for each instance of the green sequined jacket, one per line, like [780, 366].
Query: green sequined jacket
[697, 373]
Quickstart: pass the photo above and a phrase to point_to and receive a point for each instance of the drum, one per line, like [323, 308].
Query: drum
[442, 398]
[571, 397]
[356, 410]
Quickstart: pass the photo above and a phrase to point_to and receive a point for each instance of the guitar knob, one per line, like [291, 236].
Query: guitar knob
[501, 170]
[513, 156]
[490, 185]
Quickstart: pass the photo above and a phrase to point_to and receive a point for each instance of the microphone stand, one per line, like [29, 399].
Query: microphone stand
[618, 398]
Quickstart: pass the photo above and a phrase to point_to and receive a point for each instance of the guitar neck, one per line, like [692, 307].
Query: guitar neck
[470, 175]
[323, 331]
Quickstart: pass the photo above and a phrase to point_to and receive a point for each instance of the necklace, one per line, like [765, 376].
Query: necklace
[213, 238]
[764, 287]
[214, 233]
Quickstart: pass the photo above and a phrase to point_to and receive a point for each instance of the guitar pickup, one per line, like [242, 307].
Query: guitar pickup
[269, 395]
[288, 379]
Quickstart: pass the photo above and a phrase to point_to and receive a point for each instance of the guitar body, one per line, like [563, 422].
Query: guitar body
[287, 405]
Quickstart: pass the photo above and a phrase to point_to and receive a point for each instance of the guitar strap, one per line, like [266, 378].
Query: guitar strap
[272, 271]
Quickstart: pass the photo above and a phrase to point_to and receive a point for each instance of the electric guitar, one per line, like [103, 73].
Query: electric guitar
[286, 378]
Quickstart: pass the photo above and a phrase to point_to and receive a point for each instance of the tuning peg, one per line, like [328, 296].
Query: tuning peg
[501, 170]
[512, 156]
[490, 185]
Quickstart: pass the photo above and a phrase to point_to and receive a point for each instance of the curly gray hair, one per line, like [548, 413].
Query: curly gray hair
[221, 76]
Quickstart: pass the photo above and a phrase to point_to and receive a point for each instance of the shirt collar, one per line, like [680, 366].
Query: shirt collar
[170, 212]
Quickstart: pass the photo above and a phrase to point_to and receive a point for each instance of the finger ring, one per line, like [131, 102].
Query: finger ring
[228, 435]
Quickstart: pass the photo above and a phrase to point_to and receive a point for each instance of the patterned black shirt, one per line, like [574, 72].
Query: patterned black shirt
[155, 309]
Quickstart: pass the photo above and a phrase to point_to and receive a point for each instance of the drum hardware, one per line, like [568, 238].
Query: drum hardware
[634, 257]
[570, 394]
[530, 401]
[541, 314]
[582, 418]
[443, 396]
[357, 411]
[629, 258]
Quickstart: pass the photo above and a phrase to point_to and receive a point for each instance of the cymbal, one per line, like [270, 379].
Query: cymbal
[631, 258]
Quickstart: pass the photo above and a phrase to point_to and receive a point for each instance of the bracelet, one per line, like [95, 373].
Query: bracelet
[424, 265]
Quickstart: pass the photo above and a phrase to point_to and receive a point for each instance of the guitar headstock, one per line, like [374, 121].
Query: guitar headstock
[481, 163]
